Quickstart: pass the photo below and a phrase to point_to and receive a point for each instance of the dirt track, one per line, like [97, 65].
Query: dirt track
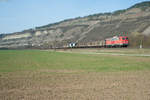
[114, 52]
[75, 85]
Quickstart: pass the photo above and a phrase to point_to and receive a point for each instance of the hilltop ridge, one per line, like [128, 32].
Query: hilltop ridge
[135, 21]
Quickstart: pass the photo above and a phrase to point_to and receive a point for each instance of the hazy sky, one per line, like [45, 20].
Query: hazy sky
[17, 15]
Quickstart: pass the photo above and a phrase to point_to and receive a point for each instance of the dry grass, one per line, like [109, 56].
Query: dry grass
[37, 75]
[72, 86]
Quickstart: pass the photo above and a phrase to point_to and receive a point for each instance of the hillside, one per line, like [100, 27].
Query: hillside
[135, 21]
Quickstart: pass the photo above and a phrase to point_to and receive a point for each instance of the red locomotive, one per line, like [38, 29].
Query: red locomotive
[117, 41]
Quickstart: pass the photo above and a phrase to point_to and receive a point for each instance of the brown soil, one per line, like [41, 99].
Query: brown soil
[70, 85]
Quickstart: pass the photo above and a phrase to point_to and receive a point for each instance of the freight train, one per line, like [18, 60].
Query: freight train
[116, 41]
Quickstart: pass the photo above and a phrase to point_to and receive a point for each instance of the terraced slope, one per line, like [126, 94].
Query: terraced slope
[135, 21]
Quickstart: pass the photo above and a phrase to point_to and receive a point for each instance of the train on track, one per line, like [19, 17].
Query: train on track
[116, 41]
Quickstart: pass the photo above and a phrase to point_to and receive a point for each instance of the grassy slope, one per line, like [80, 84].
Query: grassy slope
[14, 60]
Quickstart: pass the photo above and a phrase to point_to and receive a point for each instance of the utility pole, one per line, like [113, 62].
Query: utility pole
[110, 18]
[141, 41]
[141, 44]
[55, 42]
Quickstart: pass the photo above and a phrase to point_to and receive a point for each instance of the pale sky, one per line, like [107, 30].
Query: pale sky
[17, 15]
